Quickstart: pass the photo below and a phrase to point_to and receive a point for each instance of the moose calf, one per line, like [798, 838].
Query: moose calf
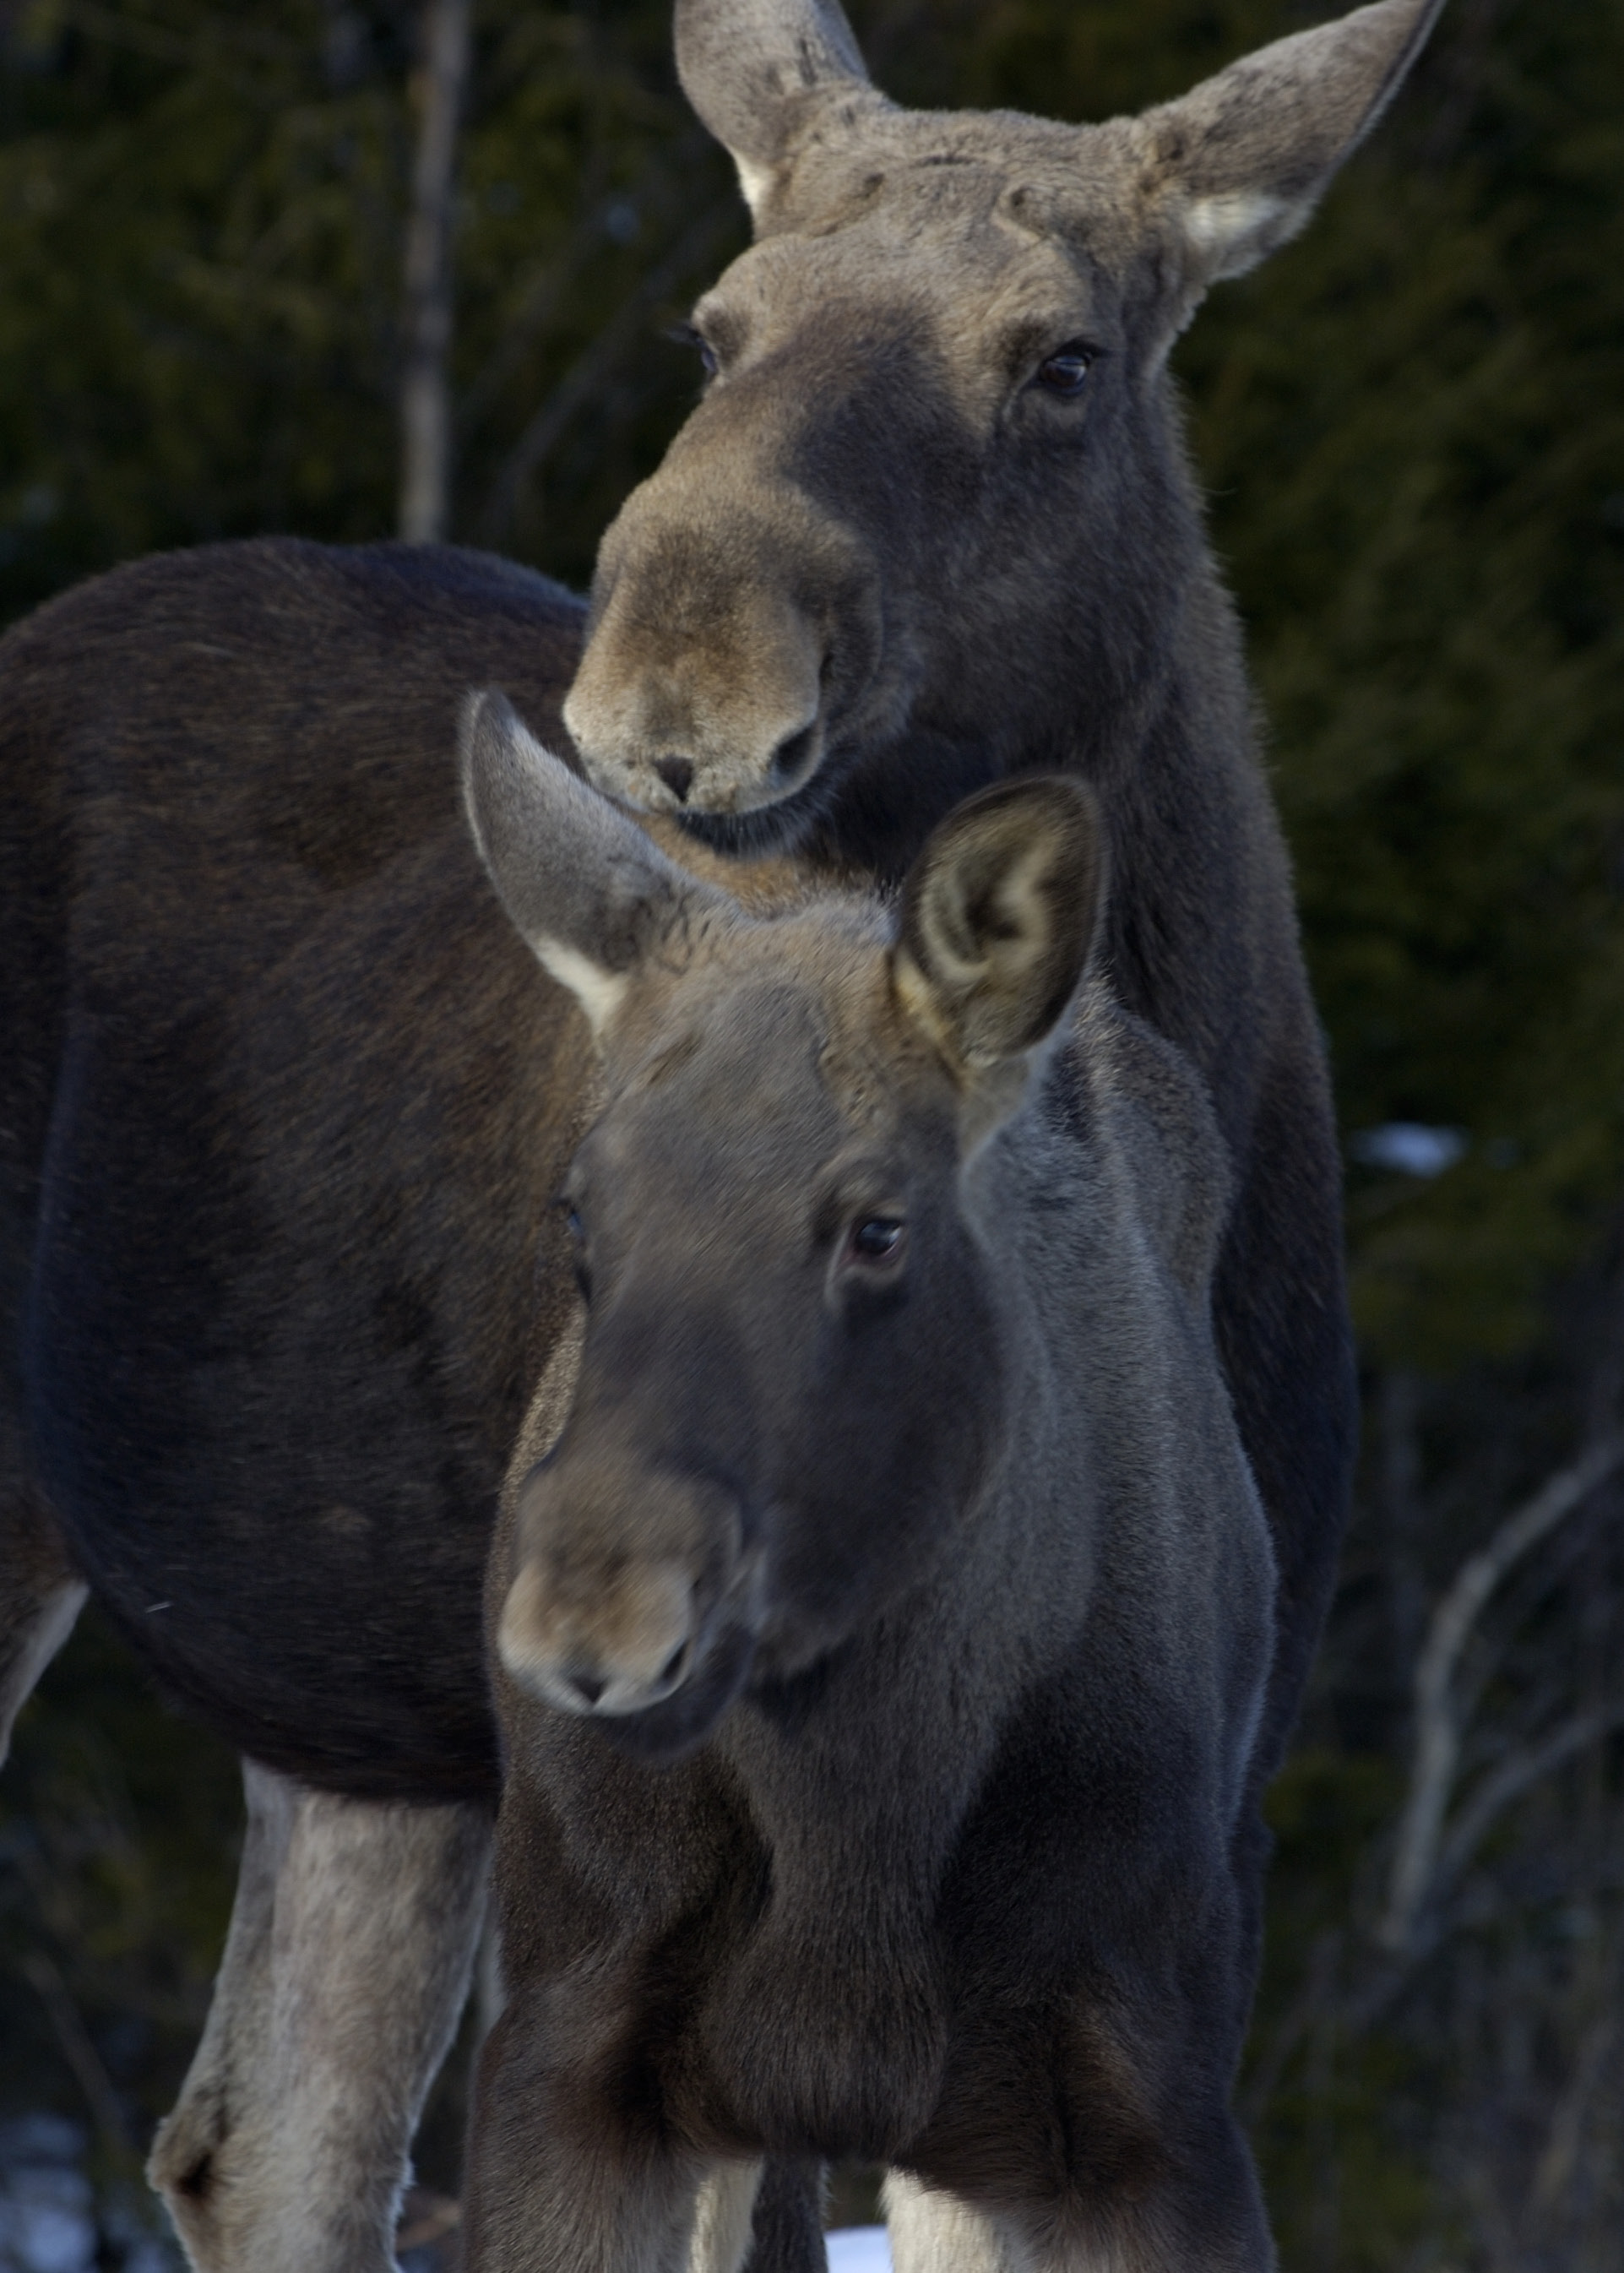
[884, 1638]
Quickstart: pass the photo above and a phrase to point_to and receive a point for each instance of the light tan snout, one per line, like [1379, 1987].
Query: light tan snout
[608, 1611]
[622, 1649]
[707, 681]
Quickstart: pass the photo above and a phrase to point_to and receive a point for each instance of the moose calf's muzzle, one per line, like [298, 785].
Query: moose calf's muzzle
[622, 1576]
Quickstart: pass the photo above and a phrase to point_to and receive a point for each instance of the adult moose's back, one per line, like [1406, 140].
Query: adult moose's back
[282, 1101]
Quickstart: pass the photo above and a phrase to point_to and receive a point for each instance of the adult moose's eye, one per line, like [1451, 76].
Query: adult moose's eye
[877, 1241]
[577, 1231]
[1066, 373]
[689, 335]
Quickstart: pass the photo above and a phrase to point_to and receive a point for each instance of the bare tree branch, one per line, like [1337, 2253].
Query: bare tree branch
[1313, 1997]
[425, 395]
[546, 293]
[77, 2048]
[1561, 2158]
[1437, 1737]
[1519, 1772]
[592, 368]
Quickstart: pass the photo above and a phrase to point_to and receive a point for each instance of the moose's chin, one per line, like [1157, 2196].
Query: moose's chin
[891, 793]
[783, 816]
[667, 1732]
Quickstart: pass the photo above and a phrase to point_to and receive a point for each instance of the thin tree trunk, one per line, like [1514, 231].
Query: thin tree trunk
[1437, 1732]
[425, 395]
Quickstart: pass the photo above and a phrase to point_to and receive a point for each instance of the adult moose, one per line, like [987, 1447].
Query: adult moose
[900, 1506]
[282, 1101]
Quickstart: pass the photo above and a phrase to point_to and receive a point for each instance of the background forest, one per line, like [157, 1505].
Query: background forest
[1412, 428]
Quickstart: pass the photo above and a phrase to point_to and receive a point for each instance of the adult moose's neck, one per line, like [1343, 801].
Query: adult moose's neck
[1119, 659]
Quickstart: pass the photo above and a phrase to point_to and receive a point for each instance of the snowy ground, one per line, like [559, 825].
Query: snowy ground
[859, 2249]
[47, 2226]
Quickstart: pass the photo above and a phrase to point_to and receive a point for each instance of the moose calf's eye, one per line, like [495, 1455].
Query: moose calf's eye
[1066, 374]
[877, 1240]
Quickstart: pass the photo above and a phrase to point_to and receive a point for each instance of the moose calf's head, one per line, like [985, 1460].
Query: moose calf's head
[934, 460]
[789, 1390]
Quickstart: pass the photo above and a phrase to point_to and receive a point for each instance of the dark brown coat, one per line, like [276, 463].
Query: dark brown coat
[883, 1642]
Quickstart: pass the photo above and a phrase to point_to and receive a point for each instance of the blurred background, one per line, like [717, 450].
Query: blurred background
[346, 269]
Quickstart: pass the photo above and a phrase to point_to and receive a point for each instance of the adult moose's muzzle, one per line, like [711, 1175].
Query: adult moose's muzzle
[633, 1599]
[727, 638]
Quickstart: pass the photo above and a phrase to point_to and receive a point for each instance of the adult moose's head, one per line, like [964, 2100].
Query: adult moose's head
[791, 1389]
[936, 465]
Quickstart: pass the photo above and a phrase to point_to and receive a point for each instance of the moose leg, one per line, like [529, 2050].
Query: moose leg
[41, 1595]
[787, 2228]
[1210, 2221]
[934, 2232]
[346, 1969]
[722, 2218]
[571, 2169]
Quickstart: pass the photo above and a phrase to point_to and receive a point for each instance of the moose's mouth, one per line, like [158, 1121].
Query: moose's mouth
[941, 771]
[678, 1724]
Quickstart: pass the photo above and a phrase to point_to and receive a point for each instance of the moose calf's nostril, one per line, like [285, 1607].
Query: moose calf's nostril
[677, 774]
[589, 1687]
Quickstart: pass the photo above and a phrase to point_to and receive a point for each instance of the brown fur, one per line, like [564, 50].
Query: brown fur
[282, 1102]
[923, 1846]
[882, 564]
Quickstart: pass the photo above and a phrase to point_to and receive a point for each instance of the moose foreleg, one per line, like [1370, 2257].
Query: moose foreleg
[934, 2232]
[345, 1971]
[568, 2172]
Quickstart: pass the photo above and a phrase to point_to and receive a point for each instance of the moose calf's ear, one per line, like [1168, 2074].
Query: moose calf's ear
[999, 915]
[1242, 160]
[582, 885]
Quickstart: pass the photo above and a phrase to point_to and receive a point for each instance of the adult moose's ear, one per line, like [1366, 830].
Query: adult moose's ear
[754, 70]
[1000, 914]
[1238, 164]
[585, 889]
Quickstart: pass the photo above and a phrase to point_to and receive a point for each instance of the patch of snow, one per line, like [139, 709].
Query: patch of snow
[1409, 1147]
[49, 2211]
[858, 2249]
[45, 2224]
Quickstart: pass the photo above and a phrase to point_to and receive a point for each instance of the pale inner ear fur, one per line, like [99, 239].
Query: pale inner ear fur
[1232, 232]
[754, 182]
[600, 993]
[998, 919]
[963, 962]
[1240, 161]
[587, 889]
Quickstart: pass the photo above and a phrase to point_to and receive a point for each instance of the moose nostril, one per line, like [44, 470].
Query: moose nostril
[677, 774]
[789, 758]
[587, 1686]
[671, 1670]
